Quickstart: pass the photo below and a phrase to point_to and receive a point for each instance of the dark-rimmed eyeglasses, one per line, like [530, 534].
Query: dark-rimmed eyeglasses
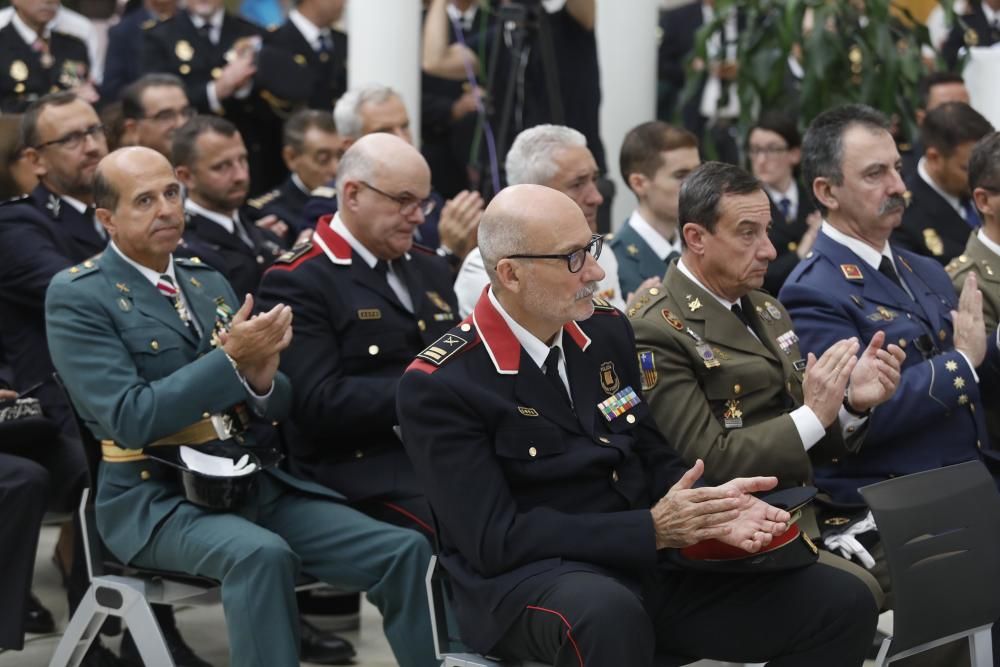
[172, 115]
[766, 151]
[73, 140]
[407, 204]
[574, 260]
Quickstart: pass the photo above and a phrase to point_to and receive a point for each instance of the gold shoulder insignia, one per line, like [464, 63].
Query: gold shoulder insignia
[191, 262]
[265, 199]
[446, 346]
[81, 270]
[295, 253]
[324, 191]
[601, 304]
[147, 24]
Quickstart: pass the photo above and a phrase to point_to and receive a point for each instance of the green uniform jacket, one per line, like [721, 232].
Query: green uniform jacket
[986, 265]
[718, 393]
[136, 373]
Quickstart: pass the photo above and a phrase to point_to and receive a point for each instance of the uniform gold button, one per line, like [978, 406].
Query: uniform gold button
[373, 350]
[154, 345]
[614, 475]
[654, 291]
[792, 246]
[850, 429]
[205, 415]
[737, 388]
[834, 461]
[532, 452]
[630, 419]
[604, 440]
[902, 343]
[216, 72]
[421, 325]
[275, 423]
[466, 327]
[144, 475]
[358, 454]
[184, 69]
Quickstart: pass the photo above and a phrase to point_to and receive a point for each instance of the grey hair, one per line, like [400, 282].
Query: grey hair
[358, 164]
[530, 158]
[499, 237]
[347, 112]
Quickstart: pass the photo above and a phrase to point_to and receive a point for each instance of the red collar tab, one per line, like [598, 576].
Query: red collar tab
[333, 244]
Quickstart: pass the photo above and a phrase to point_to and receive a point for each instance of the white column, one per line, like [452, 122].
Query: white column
[626, 48]
[384, 47]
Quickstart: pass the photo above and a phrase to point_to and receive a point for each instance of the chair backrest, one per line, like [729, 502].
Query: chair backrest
[941, 534]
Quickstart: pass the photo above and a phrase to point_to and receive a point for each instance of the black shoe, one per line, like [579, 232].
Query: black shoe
[100, 656]
[183, 655]
[37, 619]
[322, 647]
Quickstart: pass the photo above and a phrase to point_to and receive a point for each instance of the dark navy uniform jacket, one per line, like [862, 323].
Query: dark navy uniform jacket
[286, 201]
[242, 265]
[935, 417]
[40, 235]
[523, 485]
[353, 340]
[23, 78]
[123, 62]
[321, 78]
[785, 235]
[931, 226]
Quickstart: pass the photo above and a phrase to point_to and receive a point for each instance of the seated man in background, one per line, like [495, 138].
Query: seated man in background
[555, 156]
[655, 158]
[941, 214]
[153, 108]
[535, 404]
[175, 348]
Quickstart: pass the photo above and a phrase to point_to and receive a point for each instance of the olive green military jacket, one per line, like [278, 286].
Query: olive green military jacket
[986, 265]
[720, 394]
[136, 373]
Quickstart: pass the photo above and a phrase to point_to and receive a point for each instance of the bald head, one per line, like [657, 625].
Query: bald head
[381, 184]
[139, 202]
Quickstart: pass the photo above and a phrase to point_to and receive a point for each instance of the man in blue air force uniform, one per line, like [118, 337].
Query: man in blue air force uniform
[150, 348]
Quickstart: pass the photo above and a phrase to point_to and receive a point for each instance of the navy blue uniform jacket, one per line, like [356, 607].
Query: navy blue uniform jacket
[523, 485]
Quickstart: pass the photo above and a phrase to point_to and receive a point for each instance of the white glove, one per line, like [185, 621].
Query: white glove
[846, 542]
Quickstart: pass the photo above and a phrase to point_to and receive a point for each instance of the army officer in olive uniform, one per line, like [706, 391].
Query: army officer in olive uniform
[150, 348]
[982, 256]
[366, 301]
[35, 60]
[721, 368]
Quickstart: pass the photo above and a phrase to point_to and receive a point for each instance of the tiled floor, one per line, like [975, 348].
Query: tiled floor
[203, 627]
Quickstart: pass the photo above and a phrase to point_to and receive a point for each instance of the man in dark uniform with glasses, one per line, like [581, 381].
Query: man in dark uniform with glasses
[366, 301]
[153, 108]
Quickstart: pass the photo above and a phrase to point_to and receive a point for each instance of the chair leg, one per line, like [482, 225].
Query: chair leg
[880, 659]
[981, 647]
[80, 633]
[141, 623]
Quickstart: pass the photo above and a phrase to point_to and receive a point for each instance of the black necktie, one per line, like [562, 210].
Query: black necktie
[325, 42]
[552, 373]
[205, 30]
[738, 312]
[886, 268]
[671, 256]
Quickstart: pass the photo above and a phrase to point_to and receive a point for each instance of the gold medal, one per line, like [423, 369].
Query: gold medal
[183, 50]
[18, 70]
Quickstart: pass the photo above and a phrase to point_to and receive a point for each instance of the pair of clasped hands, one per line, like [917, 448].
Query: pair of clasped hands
[255, 342]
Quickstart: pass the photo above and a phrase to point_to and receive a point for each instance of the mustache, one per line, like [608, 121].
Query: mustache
[587, 291]
[893, 203]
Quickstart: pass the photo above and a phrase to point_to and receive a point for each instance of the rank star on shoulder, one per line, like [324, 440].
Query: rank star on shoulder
[959, 383]
[951, 365]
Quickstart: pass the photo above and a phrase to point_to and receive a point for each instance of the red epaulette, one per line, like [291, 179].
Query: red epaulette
[423, 249]
[297, 255]
[445, 348]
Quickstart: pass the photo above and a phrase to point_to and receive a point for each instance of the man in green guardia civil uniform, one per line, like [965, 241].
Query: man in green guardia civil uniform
[150, 348]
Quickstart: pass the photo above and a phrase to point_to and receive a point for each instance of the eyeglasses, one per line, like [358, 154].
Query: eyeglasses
[407, 205]
[576, 259]
[766, 151]
[167, 116]
[73, 140]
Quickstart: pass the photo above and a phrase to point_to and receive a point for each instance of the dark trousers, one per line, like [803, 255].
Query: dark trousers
[814, 616]
[24, 493]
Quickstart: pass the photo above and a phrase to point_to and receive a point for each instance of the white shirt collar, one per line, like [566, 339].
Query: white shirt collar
[870, 255]
[27, 34]
[218, 218]
[535, 347]
[80, 207]
[654, 239]
[791, 194]
[309, 30]
[147, 273]
[337, 225]
[726, 303]
[299, 184]
[952, 201]
[215, 21]
[992, 245]
[991, 15]
[466, 18]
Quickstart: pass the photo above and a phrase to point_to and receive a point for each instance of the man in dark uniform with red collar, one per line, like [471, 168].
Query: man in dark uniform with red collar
[366, 300]
[559, 503]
